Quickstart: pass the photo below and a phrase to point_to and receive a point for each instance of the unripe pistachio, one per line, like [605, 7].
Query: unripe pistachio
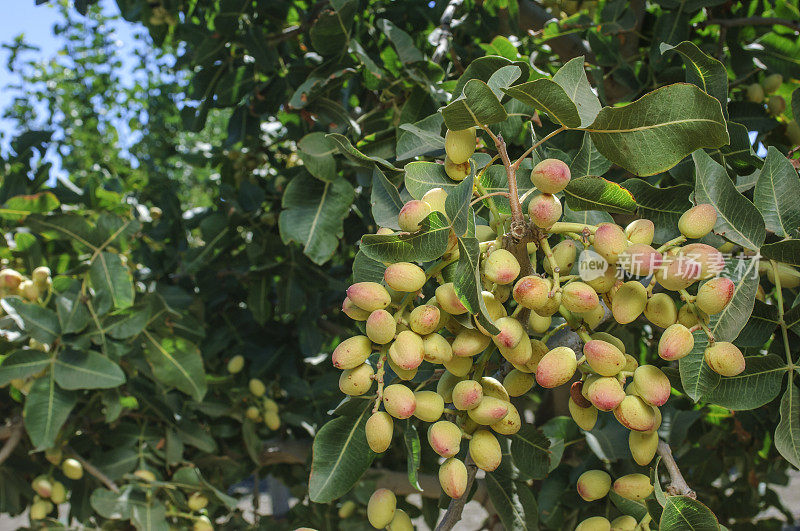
[579, 297]
[550, 176]
[595, 523]
[400, 522]
[446, 384]
[453, 477]
[236, 364]
[556, 367]
[633, 486]
[675, 343]
[594, 317]
[448, 301]
[698, 220]
[630, 363]
[551, 306]
[29, 290]
[772, 82]
[538, 324]
[351, 352]
[710, 260]
[494, 309]
[640, 259]
[381, 508]
[458, 366]
[40, 509]
[42, 486]
[403, 374]
[492, 387]
[635, 414]
[347, 509]
[489, 411]
[661, 310]
[605, 393]
[412, 214]
[625, 522]
[510, 424]
[399, 401]
[594, 484]
[467, 394]
[10, 279]
[354, 312]
[405, 277]
[430, 406]
[789, 276]
[584, 417]
[485, 450]
[715, 294]
[610, 241]
[53, 455]
[576, 392]
[59, 493]
[519, 355]
[652, 385]
[511, 332]
[517, 383]
[605, 282]
[379, 430]
[41, 276]
[436, 349]
[369, 296]
[544, 210]
[643, 446]
[687, 315]
[604, 358]
[381, 327]
[384, 231]
[531, 291]
[425, 319]
[457, 172]
[197, 501]
[469, 342]
[629, 302]
[640, 231]
[501, 267]
[253, 413]
[608, 338]
[793, 132]
[145, 475]
[459, 144]
[435, 197]
[755, 93]
[202, 523]
[445, 438]
[538, 351]
[501, 292]
[659, 418]
[776, 105]
[564, 254]
[407, 350]
[725, 358]
[356, 381]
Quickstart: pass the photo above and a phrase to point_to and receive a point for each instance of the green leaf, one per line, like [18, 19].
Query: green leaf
[514, 502]
[22, 364]
[762, 323]
[17, 207]
[73, 315]
[549, 97]
[313, 214]
[494, 179]
[330, 32]
[467, 282]
[401, 40]
[738, 219]
[39, 323]
[478, 106]
[150, 515]
[626, 506]
[759, 384]
[351, 153]
[588, 161]
[316, 152]
[429, 243]
[413, 453]
[596, 193]
[726, 325]
[483, 67]
[423, 176]
[663, 206]
[176, 363]
[530, 449]
[738, 154]
[421, 138]
[702, 70]
[340, 456]
[457, 204]
[366, 269]
[682, 513]
[787, 251]
[653, 134]
[385, 201]
[47, 407]
[572, 78]
[110, 504]
[86, 370]
[787, 433]
[107, 273]
[776, 194]
[503, 78]
[697, 377]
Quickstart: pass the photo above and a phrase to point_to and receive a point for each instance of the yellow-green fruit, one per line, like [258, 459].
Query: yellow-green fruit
[584, 417]
[630, 363]
[595, 317]
[518, 355]
[675, 343]
[625, 522]
[793, 132]
[640, 259]
[485, 450]
[610, 241]
[605, 393]
[29, 290]
[40, 509]
[354, 312]
[469, 342]
[457, 172]
[788, 276]
[544, 210]
[517, 383]
[407, 351]
[494, 308]
[755, 93]
[776, 105]
[399, 401]
[347, 509]
[381, 508]
[643, 446]
[430, 406]
[501, 293]
[446, 384]
[40, 275]
[59, 493]
[253, 413]
[369, 296]
[356, 381]
[652, 385]
[459, 144]
[538, 324]
[715, 294]
[436, 349]
[403, 374]
[538, 351]
[53, 455]
[725, 359]
[579, 297]
[551, 306]
[453, 477]
[72, 468]
[594, 484]
[145, 475]
[550, 176]
[633, 486]
[202, 523]
[405, 277]
[556, 367]
[489, 411]
[635, 414]
[236, 364]
[772, 82]
[381, 327]
[445, 438]
[384, 231]
[257, 387]
[435, 197]
[272, 420]
[608, 338]
[458, 366]
[511, 332]
[448, 301]
[467, 394]
[595, 523]
[661, 310]
[501, 267]
[710, 260]
[605, 282]
[42, 486]
[197, 501]
[10, 279]
[564, 254]
[640, 231]
[379, 429]
[629, 302]
[698, 220]
[425, 319]
[400, 522]
[411, 215]
[604, 358]
[492, 387]
[510, 423]
[531, 292]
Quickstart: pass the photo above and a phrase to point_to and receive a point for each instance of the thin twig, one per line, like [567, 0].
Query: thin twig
[453, 514]
[754, 21]
[12, 441]
[534, 146]
[93, 471]
[678, 485]
[484, 196]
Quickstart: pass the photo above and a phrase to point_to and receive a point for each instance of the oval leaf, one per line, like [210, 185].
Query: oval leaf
[86, 370]
[596, 193]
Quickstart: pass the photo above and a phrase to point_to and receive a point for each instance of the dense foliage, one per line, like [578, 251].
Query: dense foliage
[171, 301]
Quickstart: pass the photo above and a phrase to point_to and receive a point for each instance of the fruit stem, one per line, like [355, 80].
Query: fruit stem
[544, 245]
[560, 227]
[486, 196]
[550, 333]
[686, 296]
[380, 371]
[584, 335]
[781, 320]
[535, 145]
[700, 321]
[672, 243]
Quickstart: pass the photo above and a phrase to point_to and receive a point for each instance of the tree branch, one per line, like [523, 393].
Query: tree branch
[753, 21]
[15, 436]
[678, 485]
[454, 510]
